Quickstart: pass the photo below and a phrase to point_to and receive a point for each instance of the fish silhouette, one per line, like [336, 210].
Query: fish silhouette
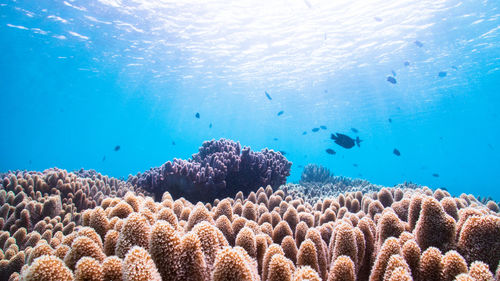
[330, 151]
[268, 96]
[345, 141]
[323, 127]
[419, 44]
[117, 148]
[354, 130]
[391, 80]
[197, 115]
[280, 113]
[396, 152]
[407, 63]
[442, 74]
[315, 130]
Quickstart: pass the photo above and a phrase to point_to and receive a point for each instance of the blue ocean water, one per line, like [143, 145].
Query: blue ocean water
[78, 78]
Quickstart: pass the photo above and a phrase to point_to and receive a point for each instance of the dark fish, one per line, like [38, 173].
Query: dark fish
[419, 44]
[345, 141]
[444, 188]
[197, 115]
[435, 175]
[396, 152]
[323, 127]
[268, 96]
[104, 158]
[315, 130]
[407, 63]
[173, 142]
[377, 19]
[442, 74]
[330, 151]
[391, 79]
[275, 139]
[354, 130]
[117, 148]
[282, 152]
[304, 133]
[393, 73]
[355, 165]
[210, 126]
[390, 120]
[280, 113]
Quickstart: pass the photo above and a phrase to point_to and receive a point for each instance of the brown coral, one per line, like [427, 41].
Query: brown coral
[47, 268]
[234, 264]
[165, 248]
[434, 227]
[88, 269]
[479, 240]
[280, 269]
[138, 266]
[453, 265]
[342, 270]
[135, 232]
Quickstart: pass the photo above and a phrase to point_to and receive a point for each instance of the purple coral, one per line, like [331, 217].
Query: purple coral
[219, 169]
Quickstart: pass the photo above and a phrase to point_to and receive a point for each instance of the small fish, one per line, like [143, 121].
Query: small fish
[354, 130]
[344, 140]
[315, 130]
[435, 175]
[355, 165]
[282, 152]
[275, 139]
[210, 126]
[393, 73]
[326, 91]
[197, 115]
[377, 19]
[104, 158]
[173, 142]
[117, 148]
[390, 120]
[268, 96]
[407, 63]
[330, 151]
[419, 44]
[280, 113]
[391, 79]
[323, 127]
[442, 74]
[396, 152]
[304, 133]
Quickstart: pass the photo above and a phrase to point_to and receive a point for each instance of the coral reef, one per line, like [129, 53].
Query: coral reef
[219, 169]
[386, 234]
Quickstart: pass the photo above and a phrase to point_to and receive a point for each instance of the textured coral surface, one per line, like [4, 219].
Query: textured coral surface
[57, 225]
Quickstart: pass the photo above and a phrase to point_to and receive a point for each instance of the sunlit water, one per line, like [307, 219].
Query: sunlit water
[78, 78]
